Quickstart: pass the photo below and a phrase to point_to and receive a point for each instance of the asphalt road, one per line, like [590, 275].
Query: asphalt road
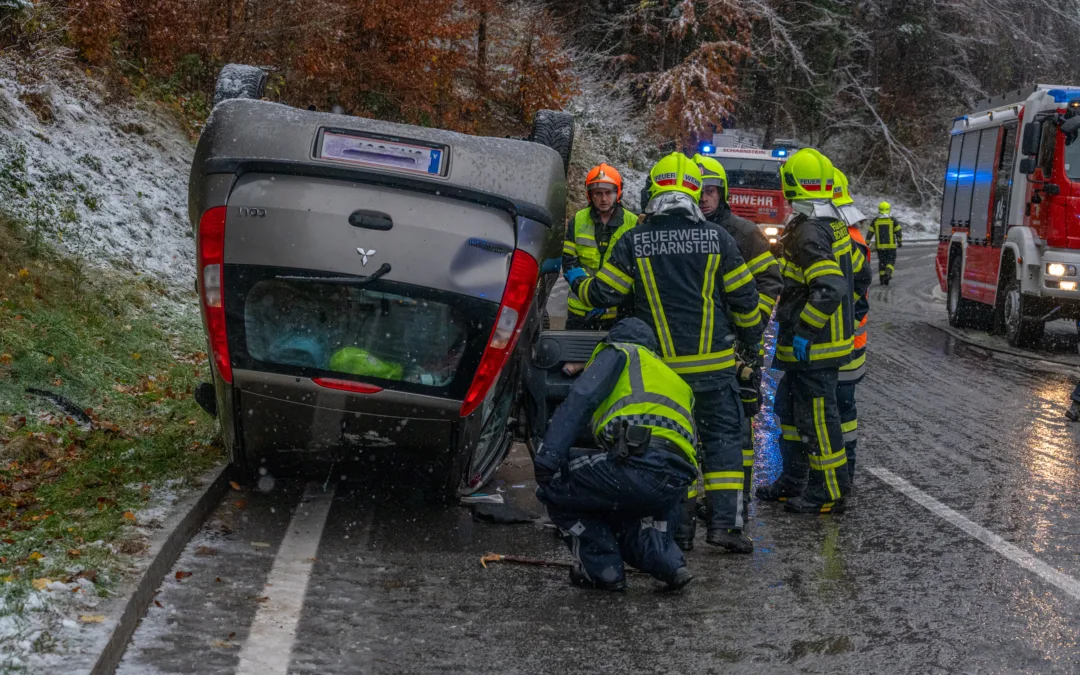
[959, 553]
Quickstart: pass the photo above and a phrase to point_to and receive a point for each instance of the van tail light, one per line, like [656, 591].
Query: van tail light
[346, 385]
[211, 262]
[517, 296]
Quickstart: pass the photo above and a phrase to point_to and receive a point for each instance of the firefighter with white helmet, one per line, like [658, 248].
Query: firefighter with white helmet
[886, 236]
[814, 339]
[691, 286]
[852, 373]
[589, 237]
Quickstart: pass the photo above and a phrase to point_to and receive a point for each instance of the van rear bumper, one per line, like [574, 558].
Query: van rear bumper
[283, 416]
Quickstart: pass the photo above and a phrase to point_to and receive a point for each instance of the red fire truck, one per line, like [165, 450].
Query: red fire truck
[1009, 243]
[754, 185]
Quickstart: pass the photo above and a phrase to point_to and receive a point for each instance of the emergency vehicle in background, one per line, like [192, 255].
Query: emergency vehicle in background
[754, 190]
[1009, 240]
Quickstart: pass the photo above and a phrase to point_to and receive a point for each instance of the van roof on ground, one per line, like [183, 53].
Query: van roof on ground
[244, 135]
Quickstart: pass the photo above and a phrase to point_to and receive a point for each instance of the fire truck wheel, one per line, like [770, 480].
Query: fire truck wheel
[1021, 331]
[963, 313]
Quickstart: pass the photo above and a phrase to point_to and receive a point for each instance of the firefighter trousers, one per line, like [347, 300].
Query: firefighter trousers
[812, 437]
[886, 262]
[849, 423]
[747, 461]
[718, 415]
[610, 512]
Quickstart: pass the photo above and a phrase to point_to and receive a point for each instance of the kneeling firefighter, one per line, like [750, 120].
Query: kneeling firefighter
[754, 249]
[814, 339]
[689, 283]
[588, 239]
[621, 503]
[852, 372]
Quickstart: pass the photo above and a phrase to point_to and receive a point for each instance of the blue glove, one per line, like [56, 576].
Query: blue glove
[801, 347]
[594, 314]
[573, 275]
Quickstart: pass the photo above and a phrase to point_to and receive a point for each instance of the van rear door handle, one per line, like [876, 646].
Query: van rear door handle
[371, 220]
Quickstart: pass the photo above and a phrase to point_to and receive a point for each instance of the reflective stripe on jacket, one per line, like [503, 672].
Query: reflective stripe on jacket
[885, 231]
[583, 248]
[755, 251]
[647, 394]
[691, 286]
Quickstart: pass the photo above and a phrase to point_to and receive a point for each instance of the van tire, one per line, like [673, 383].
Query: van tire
[239, 81]
[1021, 331]
[555, 130]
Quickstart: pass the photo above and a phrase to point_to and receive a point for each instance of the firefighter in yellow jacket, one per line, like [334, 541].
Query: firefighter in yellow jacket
[886, 236]
[591, 234]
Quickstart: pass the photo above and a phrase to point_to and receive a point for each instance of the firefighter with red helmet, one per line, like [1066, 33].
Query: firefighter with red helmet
[588, 238]
[815, 337]
[852, 373]
[690, 285]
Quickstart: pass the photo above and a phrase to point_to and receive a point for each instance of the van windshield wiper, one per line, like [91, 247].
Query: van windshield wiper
[383, 270]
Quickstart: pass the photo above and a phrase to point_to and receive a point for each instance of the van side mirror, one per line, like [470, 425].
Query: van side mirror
[1027, 165]
[1032, 134]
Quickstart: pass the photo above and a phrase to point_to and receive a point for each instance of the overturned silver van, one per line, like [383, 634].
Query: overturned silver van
[369, 287]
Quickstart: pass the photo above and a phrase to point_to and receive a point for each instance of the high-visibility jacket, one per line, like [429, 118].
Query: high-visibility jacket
[647, 394]
[886, 232]
[587, 242]
[755, 251]
[853, 371]
[818, 296]
[690, 284]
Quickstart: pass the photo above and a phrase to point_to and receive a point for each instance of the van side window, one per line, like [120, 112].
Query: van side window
[1046, 148]
[949, 194]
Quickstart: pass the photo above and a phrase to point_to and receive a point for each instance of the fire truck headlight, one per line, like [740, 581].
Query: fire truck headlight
[1060, 270]
[772, 240]
[771, 232]
[1068, 285]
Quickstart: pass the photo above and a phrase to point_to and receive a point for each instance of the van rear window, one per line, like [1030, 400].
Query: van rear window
[752, 174]
[394, 334]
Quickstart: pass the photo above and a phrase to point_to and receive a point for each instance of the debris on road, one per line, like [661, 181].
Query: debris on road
[501, 514]
[481, 498]
[536, 562]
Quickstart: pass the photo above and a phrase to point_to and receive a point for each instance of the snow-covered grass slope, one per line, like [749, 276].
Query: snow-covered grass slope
[104, 181]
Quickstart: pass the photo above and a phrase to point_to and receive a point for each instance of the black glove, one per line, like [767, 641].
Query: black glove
[749, 377]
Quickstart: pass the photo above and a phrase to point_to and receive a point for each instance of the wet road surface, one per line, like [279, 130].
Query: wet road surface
[959, 553]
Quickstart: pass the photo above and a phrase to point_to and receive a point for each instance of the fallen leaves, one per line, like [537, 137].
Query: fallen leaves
[264, 598]
[35, 556]
[128, 515]
[181, 575]
[157, 603]
[92, 618]
[260, 544]
[203, 551]
[41, 584]
[235, 485]
[74, 552]
[23, 273]
[240, 504]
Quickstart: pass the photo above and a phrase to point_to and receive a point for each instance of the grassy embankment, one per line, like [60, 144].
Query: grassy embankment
[70, 491]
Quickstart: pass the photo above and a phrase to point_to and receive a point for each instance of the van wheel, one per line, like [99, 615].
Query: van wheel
[1021, 331]
[239, 81]
[963, 313]
[555, 130]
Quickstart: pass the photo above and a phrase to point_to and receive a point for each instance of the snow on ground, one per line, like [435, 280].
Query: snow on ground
[105, 181]
[918, 222]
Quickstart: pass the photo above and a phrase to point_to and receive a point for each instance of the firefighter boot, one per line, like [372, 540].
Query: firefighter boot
[684, 534]
[733, 540]
[823, 493]
[680, 579]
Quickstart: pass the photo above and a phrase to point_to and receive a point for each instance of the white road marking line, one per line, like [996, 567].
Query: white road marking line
[268, 648]
[1013, 553]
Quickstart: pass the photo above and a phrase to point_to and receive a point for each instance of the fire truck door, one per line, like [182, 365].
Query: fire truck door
[999, 212]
